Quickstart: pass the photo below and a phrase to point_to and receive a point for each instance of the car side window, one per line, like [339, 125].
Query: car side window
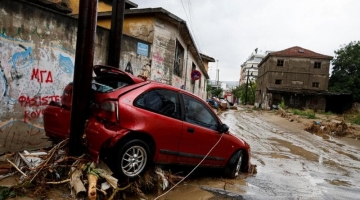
[162, 101]
[197, 113]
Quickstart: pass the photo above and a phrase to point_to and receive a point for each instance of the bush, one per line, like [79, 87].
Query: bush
[282, 104]
[356, 120]
[310, 114]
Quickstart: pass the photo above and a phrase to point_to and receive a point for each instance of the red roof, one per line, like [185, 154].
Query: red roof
[299, 52]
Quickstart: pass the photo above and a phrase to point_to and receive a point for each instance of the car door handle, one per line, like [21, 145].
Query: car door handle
[191, 130]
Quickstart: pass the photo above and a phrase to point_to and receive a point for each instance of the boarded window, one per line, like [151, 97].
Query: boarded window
[278, 81]
[315, 84]
[178, 61]
[317, 65]
[280, 63]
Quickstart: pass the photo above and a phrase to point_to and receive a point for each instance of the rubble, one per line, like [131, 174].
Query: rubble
[43, 169]
[338, 129]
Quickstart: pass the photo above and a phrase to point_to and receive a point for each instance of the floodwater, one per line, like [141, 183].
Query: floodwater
[291, 164]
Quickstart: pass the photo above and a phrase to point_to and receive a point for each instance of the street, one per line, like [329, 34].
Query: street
[291, 163]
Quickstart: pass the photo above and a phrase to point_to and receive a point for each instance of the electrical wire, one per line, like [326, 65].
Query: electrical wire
[192, 169]
[190, 24]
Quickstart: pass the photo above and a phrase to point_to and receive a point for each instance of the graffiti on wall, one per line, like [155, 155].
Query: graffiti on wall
[161, 72]
[32, 73]
[136, 65]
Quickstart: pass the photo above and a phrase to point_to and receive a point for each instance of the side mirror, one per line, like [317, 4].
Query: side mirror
[223, 128]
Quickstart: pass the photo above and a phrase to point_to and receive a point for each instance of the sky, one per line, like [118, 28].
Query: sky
[230, 30]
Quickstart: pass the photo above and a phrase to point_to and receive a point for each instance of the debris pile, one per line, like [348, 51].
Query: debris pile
[335, 128]
[289, 116]
[40, 171]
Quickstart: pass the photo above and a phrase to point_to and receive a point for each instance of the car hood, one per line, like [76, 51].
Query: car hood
[101, 70]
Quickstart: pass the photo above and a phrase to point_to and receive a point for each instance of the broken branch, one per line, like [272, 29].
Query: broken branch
[16, 167]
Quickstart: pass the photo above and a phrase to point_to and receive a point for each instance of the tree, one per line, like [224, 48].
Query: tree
[217, 92]
[240, 93]
[346, 70]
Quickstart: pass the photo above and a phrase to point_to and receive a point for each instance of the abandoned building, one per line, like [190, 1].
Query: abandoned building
[37, 58]
[296, 75]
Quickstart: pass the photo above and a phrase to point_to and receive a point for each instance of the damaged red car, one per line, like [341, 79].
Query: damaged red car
[135, 122]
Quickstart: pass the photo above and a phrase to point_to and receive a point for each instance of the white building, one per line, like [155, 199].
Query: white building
[249, 69]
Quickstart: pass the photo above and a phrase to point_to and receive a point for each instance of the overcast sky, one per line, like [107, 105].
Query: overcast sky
[230, 30]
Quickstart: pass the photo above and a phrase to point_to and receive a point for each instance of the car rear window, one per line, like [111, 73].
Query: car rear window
[109, 83]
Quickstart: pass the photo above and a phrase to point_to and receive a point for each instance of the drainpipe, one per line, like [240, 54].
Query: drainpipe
[84, 57]
[115, 36]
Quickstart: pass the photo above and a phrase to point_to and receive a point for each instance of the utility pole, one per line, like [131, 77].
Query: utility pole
[84, 57]
[217, 73]
[246, 89]
[115, 37]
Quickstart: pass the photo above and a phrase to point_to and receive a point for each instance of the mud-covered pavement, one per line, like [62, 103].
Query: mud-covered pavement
[291, 164]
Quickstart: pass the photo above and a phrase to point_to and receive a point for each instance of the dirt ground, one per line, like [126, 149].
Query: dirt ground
[323, 125]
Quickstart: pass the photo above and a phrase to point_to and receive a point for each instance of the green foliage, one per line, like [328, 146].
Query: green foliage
[346, 70]
[217, 92]
[6, 192]
[282, 104]
[310, 114]
[236, 92]
[356, 120]
[208, 88]
[241, 93]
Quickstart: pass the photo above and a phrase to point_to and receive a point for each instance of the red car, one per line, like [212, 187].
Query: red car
[137, 122]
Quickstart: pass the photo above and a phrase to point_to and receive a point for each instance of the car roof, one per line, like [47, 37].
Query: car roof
[166, 86]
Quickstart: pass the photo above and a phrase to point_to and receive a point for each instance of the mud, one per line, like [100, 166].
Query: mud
[291, 163]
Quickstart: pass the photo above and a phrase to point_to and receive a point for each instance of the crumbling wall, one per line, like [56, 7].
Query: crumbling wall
[37, 52]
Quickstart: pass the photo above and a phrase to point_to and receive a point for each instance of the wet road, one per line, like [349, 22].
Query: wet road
[291, 164]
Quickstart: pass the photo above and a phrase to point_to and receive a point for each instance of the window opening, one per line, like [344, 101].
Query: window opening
[280, 63]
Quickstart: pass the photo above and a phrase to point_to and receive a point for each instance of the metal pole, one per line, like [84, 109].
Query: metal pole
[217, 74]
[246, 89]
[84, 57]
[115, 37]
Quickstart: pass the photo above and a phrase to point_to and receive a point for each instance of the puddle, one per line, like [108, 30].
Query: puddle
[297, 150]
[275, 155]
[348, 155]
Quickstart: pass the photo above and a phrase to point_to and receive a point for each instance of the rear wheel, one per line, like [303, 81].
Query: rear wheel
[132, 158]
[235, 164]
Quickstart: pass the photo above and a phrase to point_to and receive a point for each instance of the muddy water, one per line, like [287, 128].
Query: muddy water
[291, 164]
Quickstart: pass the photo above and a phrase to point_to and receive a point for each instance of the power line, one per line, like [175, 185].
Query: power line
[190, 23]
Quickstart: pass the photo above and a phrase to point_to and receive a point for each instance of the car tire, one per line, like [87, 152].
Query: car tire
[131, 158]
[235, 165]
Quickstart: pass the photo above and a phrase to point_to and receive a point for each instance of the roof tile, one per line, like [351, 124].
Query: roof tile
[297, 51]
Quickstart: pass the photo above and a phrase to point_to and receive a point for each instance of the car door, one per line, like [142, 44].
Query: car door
[159, 115]
[200, 134]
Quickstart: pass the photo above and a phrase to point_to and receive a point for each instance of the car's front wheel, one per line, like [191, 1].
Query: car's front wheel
[132, 158]
[235, 165]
